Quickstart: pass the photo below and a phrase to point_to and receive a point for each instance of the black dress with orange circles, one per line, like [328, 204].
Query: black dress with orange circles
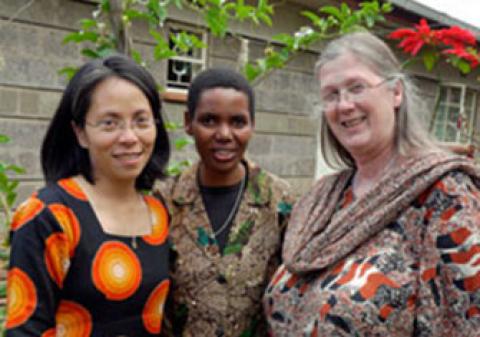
[68, 277]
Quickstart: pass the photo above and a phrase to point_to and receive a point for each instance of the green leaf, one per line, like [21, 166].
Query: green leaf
[216, 21]
[81, 36]
[181, 142]
[286, 39]
[88, 23]
[4, 139]
[251, 72]
[68, 72]
[137, 57]
[178, 3]
[90, 53]
[464, 67]
[172, 126]
[387, 7]
[15, 168]
[11, 198]
[3, 289]
[161, 53]
[430, 59]
[105, 5]
[331, 10]
[265, 19]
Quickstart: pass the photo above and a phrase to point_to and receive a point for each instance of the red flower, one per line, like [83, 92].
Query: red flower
[413, 40]
[467, 55]
[456, 37]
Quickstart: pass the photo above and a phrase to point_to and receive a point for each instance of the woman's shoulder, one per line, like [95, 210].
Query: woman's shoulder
[455, 184]
[51, 199]
[264, 179]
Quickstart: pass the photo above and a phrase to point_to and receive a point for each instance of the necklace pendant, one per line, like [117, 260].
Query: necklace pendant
[134, 242]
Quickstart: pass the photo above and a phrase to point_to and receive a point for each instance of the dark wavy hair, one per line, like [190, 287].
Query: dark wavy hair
[219, 78]
[61, 154]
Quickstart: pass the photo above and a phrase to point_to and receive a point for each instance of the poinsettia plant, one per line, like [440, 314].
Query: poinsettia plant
[454, 44]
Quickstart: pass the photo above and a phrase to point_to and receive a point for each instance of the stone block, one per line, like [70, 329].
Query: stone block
[29, 102]
[287, 165]
[59, 13]
[24, 148]
[48, 102]
[294, 146]
[35, 63]
[260, 144]
[9, 101]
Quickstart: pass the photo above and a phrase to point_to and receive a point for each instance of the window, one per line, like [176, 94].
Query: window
[183, 68]
[455, 116]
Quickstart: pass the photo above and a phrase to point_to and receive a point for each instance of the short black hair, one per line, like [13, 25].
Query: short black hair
[61, 154]
[219, 78]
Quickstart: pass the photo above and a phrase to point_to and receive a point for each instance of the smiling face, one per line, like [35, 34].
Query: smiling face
[221, 127]
[364, 125]
[118, 154]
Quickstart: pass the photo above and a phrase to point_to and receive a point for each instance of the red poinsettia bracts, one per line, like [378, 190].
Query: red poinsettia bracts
[413, 40]
[456, 37]
[454, 41]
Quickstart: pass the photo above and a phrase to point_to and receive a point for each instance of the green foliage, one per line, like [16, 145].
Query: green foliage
[8, 185]
[327, 23]
[8, 195]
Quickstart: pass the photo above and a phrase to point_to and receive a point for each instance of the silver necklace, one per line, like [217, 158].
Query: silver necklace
[234, 207]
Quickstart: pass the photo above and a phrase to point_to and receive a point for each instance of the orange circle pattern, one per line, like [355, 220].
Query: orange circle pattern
[152, 314]
[21, 298]
[69, 223]
[159, 222]
[73, 320]
[71, 187]
[57, 258]
[116, 271]
[26, 212]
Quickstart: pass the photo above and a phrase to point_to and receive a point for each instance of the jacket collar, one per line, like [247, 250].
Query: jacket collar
[257, 191]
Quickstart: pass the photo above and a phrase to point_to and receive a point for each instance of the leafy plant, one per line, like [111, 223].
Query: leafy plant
[327, 23]
[8, 195]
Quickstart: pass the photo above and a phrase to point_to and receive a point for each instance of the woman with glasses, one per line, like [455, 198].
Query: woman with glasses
[389, 245]
[89, 252]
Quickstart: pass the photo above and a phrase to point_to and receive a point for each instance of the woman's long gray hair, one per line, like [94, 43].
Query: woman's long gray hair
[411, 135]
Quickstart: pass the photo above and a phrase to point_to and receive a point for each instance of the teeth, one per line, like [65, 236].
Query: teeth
[353, 122]
[128, 156]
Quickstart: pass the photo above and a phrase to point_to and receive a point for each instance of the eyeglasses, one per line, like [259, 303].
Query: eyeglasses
[354, 92]
[112, 125]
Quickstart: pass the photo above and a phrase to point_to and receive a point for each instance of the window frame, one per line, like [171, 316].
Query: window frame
[468, 112]
[180, 94]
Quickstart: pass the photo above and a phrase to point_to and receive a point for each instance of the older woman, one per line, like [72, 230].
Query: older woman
[388, 246]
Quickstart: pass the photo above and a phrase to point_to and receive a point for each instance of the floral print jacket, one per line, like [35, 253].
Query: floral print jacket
[214, 294]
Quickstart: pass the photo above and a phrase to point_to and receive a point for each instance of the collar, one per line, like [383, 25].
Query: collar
[257, 192]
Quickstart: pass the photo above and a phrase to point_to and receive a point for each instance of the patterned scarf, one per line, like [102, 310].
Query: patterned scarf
[320, 235]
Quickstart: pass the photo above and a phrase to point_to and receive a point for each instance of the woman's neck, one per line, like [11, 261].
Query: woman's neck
[371, 168]
[109, 190]
[211, 178]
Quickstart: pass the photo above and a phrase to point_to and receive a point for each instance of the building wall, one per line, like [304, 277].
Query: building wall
[31, 53]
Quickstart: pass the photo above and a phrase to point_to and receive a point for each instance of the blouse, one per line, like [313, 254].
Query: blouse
[68, 277]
